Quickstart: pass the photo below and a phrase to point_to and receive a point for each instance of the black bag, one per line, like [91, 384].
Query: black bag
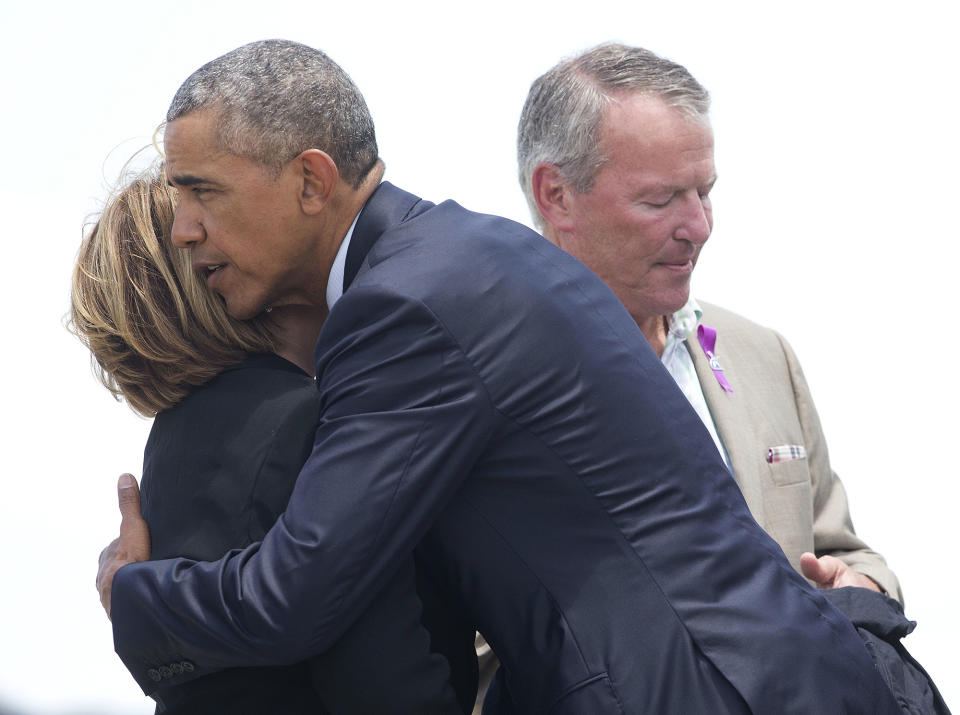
[881, 624]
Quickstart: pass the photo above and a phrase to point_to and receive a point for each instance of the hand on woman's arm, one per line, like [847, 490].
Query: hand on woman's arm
[133, 543]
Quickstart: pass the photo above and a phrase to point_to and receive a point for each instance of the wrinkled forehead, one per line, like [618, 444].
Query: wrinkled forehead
[653, 143]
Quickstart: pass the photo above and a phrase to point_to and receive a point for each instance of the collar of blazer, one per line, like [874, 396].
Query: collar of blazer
[387, 207]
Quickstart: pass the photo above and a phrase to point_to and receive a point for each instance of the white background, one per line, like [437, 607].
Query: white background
[836, 223]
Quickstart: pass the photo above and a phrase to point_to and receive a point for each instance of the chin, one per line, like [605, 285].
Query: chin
[241, 311]
[668, 305]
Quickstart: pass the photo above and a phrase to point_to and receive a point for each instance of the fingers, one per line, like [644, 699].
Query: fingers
[852, 578]
[105, 571]
[107, 553]
[104, 588]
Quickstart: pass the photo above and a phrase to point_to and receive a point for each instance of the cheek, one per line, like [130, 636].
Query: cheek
[652, 235]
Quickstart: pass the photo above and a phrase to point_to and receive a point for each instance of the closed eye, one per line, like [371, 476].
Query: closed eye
[658, 205]
[705, 192]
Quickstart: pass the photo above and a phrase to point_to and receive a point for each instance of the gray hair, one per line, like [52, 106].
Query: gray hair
[561, 119]
[276, 99]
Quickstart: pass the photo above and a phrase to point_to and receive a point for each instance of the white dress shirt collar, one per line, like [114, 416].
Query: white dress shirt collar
[335, 281]
[676, 358]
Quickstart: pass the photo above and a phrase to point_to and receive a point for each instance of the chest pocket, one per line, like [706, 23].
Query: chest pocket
[789, 472]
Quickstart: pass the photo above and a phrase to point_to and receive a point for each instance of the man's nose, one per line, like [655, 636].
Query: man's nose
[187, 230]
[697, 220]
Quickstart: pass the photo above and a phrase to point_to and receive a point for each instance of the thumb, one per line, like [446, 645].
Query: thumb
[134, 542]
[128, 494]
[813, 568]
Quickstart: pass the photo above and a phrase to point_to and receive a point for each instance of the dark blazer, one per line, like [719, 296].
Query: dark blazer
[484, 392]
[218, 471]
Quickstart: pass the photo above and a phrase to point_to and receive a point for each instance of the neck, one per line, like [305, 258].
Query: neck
[354, 199]
[345, 204]
[654, 329]
[349, 202]
[295, 329]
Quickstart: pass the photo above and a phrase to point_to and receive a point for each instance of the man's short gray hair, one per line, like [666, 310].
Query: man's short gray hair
[275, 99]
[561, 119]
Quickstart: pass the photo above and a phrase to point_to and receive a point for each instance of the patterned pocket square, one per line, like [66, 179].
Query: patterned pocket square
[786, 453]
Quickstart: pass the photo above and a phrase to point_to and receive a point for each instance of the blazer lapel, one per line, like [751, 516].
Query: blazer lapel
[387, 207]
[734, 422]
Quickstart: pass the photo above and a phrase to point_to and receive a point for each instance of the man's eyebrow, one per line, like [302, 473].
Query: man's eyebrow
[655, 188]
[708, 184]
[187, 180]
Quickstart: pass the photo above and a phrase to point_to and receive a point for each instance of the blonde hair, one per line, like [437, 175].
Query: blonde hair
[153, 328]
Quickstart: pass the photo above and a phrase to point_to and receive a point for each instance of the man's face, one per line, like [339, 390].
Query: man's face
[642, 224]
[242, 223]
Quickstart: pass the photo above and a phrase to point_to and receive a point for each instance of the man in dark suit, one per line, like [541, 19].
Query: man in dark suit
[485, 396]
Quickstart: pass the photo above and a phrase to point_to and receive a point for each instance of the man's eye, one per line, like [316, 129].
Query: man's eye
[657, 205]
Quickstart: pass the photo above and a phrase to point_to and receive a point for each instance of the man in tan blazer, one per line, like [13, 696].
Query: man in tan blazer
[615, 155]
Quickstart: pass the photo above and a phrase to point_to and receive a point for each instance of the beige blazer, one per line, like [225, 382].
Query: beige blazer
[801, 503]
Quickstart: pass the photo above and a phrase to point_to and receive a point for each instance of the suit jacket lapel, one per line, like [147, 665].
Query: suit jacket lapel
[387, 207]
[734, 422]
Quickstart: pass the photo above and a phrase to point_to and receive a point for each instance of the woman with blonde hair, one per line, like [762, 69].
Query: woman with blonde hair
[235, 410]
[153, 329]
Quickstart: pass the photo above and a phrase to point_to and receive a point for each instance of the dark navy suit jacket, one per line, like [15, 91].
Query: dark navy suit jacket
[483, 392]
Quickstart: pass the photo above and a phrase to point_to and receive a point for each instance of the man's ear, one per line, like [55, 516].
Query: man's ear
[553, 195]
[319, 179]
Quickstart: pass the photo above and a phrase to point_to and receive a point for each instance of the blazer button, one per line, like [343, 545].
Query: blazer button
[165, 672]
[177, 668]
[154, 675]
[187, 666]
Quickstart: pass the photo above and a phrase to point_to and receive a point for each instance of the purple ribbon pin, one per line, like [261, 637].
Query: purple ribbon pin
[708, 341]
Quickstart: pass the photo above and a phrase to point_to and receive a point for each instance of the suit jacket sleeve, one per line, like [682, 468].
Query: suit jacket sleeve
[833, 532]
[404, 417]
